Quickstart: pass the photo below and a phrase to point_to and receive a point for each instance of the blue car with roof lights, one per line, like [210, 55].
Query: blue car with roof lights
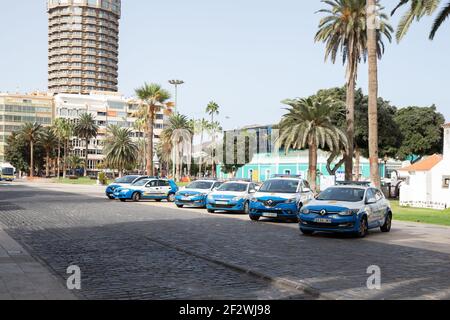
[195, 194]
[280, 197]
[148, 189]
[122, 182]
[232, 196]
[352, 209]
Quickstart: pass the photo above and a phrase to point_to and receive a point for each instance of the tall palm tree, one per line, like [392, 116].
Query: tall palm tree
[178, 133]
[140, 126]
[417, 10]
[58, 129]
[308, 125]
[202, 126]
[31, 133]
[86, 129]
[373, 54]
[153, 98]
[343, 30]
[213, 109]
[48, 140]
[120, 150]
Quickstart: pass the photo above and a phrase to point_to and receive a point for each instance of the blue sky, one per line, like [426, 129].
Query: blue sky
[246, 55]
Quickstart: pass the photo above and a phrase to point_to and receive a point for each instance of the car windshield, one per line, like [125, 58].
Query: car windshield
[203, 185]
[8, 171]
[342, 194]
[280, 186]
[141, 183]
[127, 179]
[234, 187]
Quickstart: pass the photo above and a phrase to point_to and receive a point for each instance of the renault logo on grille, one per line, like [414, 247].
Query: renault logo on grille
[323, 212]
[270, 202]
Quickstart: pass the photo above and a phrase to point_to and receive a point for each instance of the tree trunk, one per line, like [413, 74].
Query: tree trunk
[31, 159]
[59, 158]
[47, 167]
[201, 155]
[312, 174]
[65, 159]
[86, 157]
[350, 120]
[150, 166]
[357, 163]
[213, 170]
[373, 93]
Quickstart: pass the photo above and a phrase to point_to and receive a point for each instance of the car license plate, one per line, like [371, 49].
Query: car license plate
[221, 202]
[270, 215]
[186, 199]
[320, 220]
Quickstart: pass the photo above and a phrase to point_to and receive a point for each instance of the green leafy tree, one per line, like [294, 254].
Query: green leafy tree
[16, 152]
[31, 133]
[75, 162]
[344, 31]
[154, 98]
[421, 129]
[86, 129]
[120, 150]
[308, 125]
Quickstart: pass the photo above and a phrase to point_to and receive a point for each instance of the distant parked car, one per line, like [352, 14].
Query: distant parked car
[195, 193]
[148, 189]
[232, 196]
[122, 182]
[280, 197]
[347, 209]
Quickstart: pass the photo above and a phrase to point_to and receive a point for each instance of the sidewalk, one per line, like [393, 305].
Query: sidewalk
[24, 278]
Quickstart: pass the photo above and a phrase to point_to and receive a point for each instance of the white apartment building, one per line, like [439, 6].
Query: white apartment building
[107, 109]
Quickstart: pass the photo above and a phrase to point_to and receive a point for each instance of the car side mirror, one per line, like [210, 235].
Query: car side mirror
[252, 191]
[371, 201]
[306, 190]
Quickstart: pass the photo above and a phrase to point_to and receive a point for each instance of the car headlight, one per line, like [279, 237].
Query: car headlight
[349, 212]
[236, 199]
[210, 197]
[254, 200]
[293, 200]
[125, 190]
[306, 211]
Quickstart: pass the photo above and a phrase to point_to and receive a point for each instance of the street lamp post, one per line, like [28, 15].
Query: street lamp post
[176, 83]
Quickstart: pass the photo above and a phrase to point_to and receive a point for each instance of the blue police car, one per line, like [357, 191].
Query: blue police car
[148, 189]
[195, 194]
[347, 209]
[280, 197]
[232, 196]
[122, 182]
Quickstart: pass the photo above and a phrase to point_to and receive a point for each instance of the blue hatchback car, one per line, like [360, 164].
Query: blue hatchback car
[148, 189]
[194, 195]
[232, 196]
[122, 182]
[351, 209]
[280, 198]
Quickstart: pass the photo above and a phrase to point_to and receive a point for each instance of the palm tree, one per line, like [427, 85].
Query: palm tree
[120, 151]
[308, 125]
[344, 30]
[154, 98]
[75, 162]
[417, 10]
[48, 140]
[213, 109]
[372, 49]
[86, 129]
[202, 126]
[140, 126]
[31, 133]
[178, 134]
[58, 129]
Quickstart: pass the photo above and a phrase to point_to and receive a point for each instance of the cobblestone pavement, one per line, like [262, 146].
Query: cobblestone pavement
[64, 229]
[156, 251]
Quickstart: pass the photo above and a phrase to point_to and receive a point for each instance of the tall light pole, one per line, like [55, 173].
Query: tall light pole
[176, 83]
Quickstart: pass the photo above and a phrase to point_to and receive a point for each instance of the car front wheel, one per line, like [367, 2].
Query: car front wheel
[180, 206]
[307, 232]
[363, 228]
[136, 197]
[171, 198]
[254, 218]
[111, 198]
[387, 224]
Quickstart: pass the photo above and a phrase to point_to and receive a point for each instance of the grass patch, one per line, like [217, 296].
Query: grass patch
[79, 181]
[420, 215]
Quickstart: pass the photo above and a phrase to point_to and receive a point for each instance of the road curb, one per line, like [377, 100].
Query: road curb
[296, 285]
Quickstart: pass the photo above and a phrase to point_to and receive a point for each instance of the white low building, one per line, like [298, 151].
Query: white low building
[427, 183]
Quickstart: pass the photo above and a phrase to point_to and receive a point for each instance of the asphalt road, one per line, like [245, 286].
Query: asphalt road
[157, 251]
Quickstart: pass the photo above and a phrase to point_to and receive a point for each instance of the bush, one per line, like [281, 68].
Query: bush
[102, 178]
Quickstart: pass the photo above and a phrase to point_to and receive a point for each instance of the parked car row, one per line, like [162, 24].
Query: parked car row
[347, 208]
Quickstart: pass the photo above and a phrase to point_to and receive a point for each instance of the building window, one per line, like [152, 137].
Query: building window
[446, 182]
[287, 172]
